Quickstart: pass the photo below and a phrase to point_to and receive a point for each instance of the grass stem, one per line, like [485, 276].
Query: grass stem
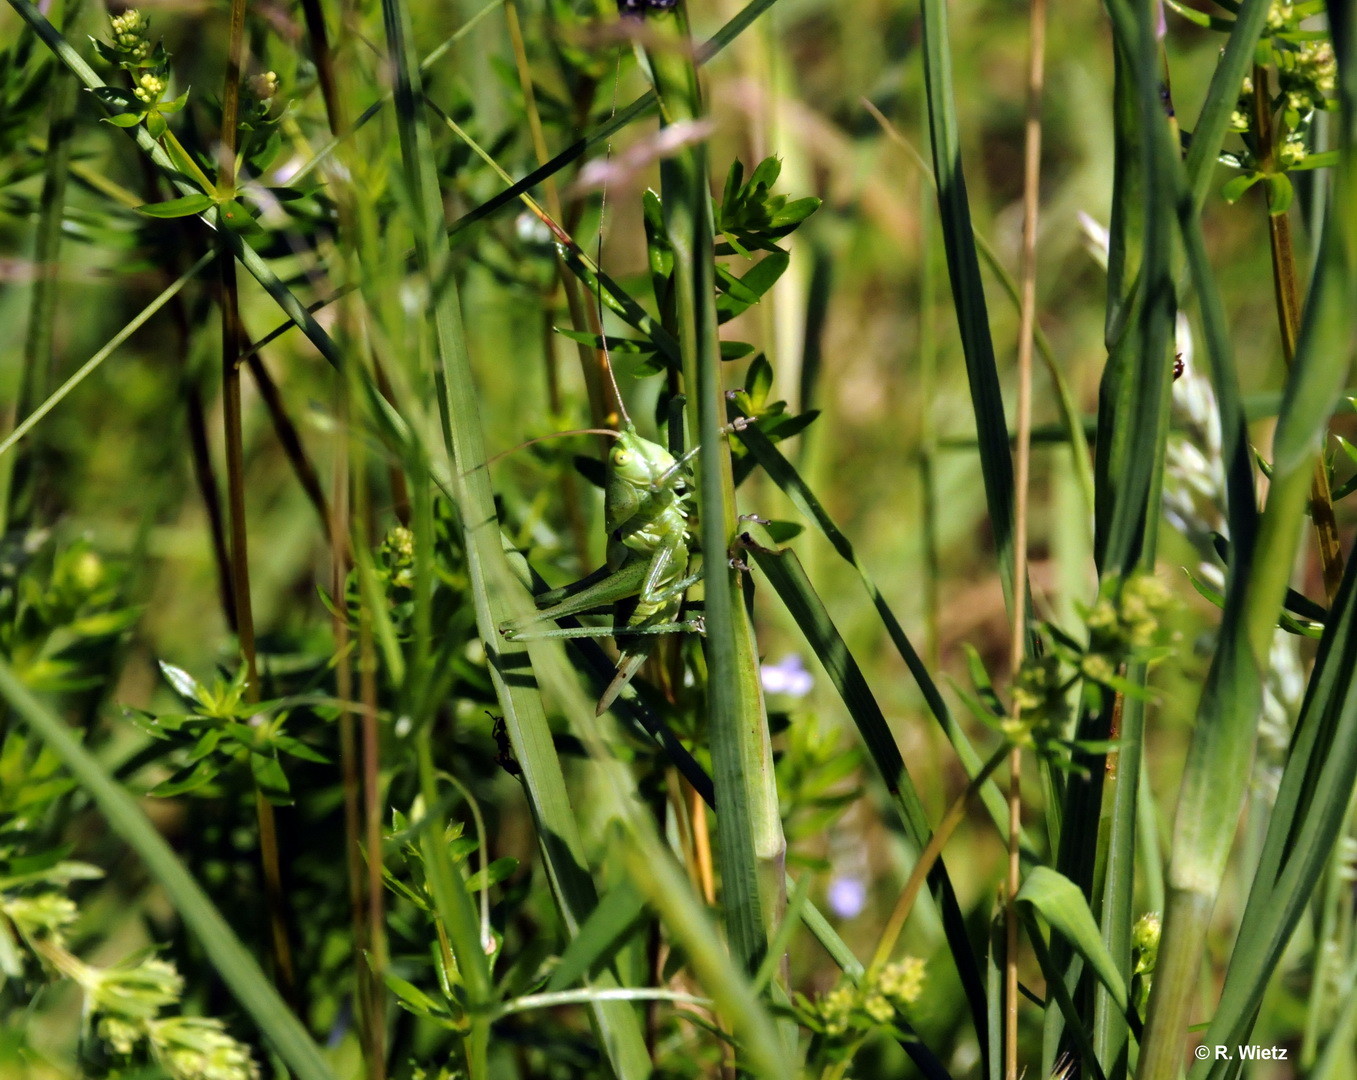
[1287, 290]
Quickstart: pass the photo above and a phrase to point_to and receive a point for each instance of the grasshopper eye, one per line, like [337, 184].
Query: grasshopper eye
[620, 457]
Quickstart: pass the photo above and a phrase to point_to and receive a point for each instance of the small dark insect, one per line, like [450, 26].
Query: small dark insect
[1166, 100]
[1177, 365]
[640, 8]
[504, 756]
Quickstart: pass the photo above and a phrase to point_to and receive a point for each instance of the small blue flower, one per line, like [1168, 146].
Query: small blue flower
[847, 896]
[789, 677]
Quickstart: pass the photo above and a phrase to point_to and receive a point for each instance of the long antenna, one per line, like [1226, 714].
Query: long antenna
[605, 361]
[554, 435]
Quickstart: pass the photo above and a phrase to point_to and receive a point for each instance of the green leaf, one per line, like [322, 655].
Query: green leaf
[186, 780]
[1280, 193]
[618, 915]
[175, 105]
[413, 998]
[1233, 189]
[184, 206]
[1062, 905]
[1322, 160]
[497, 871]
[124, 120]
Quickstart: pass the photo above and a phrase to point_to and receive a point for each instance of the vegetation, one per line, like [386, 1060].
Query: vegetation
[889, 738]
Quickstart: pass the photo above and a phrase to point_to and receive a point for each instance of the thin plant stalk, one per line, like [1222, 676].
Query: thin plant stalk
[932, 852]
[1288, 321]
[1036, 56]
[593, 362]
[231, 339]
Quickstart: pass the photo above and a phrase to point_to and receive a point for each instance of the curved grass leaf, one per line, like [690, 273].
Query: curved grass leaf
[785, 573]
[1061, 904]
[968, 292]
[1308, 818]
[784, 474]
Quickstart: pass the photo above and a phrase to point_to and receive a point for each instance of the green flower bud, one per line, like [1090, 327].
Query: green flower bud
[133, 991]
[44, 915]
[1097, 667]
[149, 88]
[836, 1008]
[1145, 941]
[1292, 152]
[198, 1048]
[1280, 15]
[120, 1035]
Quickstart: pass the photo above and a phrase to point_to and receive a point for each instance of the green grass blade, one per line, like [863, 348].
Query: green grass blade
[751, 849]
[1308, 819]
[968, 293]
[237, 967]
[1134, 397]
[1216, 772]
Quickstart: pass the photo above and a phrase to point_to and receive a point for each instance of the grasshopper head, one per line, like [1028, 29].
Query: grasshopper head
[638, 462]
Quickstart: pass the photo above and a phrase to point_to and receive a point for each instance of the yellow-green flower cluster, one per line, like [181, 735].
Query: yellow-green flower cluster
[1128, 628]
[131, 991]
[1038, 700]
[128, 998]
[198, 1048]
[260, 90]
[149, 87]
[1243, 109]
[1292, 151]
[1145, 942]
[1307, 75]
[902, 981]
[131, 35]
[1280, 15]
[851, 1011]
[43, 915]
[264, 86]
[398, 556]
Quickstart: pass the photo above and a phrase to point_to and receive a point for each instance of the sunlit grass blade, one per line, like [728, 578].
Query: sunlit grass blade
[237, 967]
[750, 849]
[511, 673]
